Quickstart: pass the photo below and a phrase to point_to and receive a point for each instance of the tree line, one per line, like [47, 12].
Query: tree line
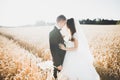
[99, 21]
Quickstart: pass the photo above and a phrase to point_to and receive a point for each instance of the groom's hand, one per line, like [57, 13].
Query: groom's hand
[59, 67]
[61, 46]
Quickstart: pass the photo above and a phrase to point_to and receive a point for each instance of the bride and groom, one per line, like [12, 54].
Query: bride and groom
[70, 51]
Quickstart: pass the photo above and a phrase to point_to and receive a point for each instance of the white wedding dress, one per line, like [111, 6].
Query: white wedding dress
[78, 64]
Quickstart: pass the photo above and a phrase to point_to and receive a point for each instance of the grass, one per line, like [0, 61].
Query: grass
[104, 43]
[16, 63]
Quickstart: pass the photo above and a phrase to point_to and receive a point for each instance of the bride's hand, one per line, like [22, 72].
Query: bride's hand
[62, 47]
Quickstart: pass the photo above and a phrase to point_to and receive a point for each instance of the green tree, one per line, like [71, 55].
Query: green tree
[118, 22]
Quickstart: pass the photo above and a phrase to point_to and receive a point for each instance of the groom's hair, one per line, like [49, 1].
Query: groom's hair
[61, 17]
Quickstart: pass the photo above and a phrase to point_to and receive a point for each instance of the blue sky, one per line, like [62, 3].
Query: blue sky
[22, 12]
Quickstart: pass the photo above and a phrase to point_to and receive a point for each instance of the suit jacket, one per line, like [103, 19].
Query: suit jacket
[55, 38]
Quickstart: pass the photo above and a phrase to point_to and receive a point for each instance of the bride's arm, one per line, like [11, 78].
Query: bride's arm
[72, 48]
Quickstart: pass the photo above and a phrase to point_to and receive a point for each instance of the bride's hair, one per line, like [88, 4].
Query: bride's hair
[71, 26]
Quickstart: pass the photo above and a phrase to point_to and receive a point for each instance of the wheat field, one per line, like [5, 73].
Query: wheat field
[23, 49]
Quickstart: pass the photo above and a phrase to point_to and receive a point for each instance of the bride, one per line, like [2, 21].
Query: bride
[78, 62]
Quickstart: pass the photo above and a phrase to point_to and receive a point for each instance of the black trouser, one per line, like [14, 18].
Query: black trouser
[55, 72]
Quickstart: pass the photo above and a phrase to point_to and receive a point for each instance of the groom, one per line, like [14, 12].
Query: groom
[55, 38]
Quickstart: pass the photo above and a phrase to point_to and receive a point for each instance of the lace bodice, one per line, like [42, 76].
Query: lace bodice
[68, 42]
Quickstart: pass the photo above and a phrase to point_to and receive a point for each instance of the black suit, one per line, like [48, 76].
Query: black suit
[55, 38]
